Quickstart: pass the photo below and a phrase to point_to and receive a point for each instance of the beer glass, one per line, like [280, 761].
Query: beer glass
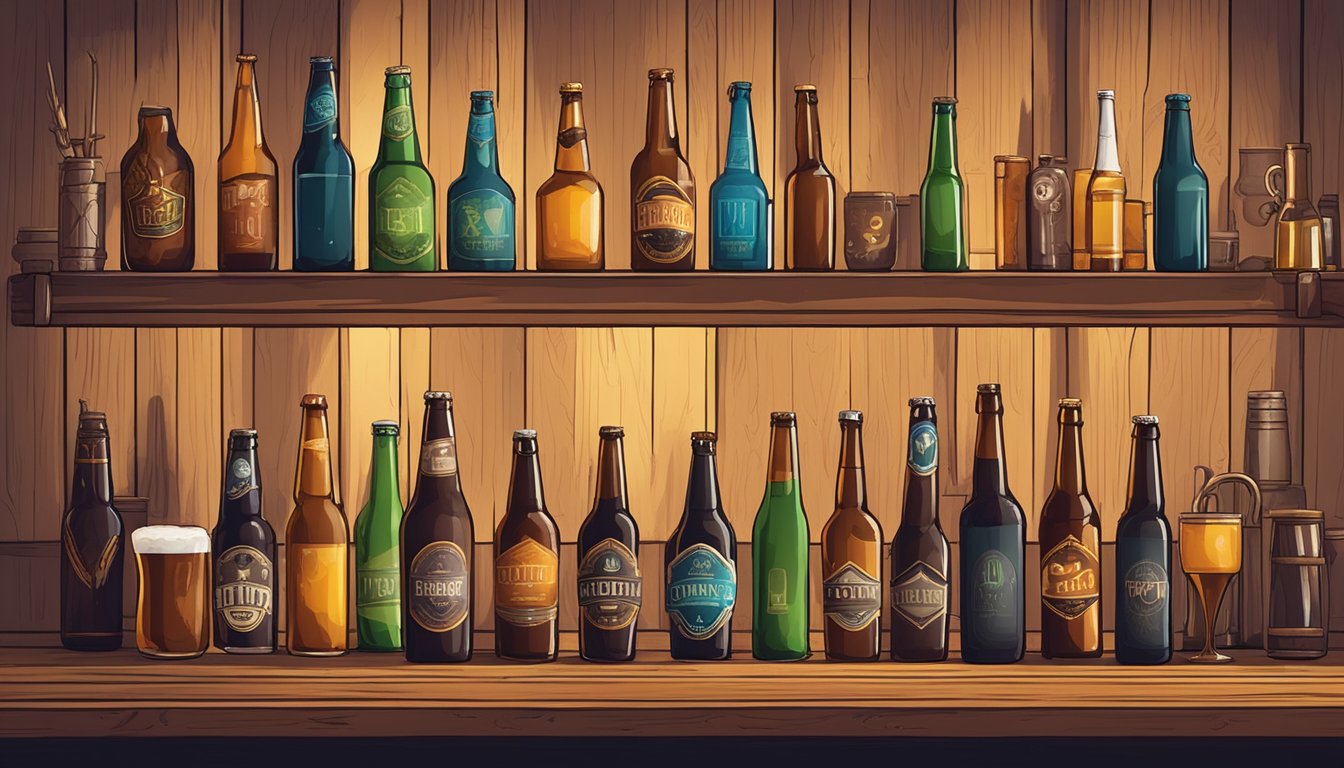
[172, 617]
[1211, 555]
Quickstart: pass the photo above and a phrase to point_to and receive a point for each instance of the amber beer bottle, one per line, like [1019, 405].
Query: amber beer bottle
[93, 544]
[527, 563]
[809, 192]
[248, 189]
[610, 589]
[571, 207]
[921, 560]
[662, 216]
[438, 593]
[158, 208]
[1070, 537]
[317, 580]
[851, 557]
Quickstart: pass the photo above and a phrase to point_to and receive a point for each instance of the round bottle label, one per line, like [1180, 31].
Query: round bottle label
[244, 587]
[923, 450]
[664, 220]
[438, 587]
[610, 588]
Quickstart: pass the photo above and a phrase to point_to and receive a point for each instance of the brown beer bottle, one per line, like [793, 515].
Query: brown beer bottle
[158, 208]
[438, 593]
[248, 190]
[662, 188]
[851, 557]
[921, 561]
[610, 589]
[527, 563]
[571, 207]
[317, 546]
[1070, 536]
[92, 545]
[809, 192]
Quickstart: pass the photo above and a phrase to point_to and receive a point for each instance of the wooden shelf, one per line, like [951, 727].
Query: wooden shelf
[208, 299]
[59, 693]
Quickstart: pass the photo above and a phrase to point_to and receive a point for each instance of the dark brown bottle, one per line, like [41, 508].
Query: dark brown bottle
[244, 558]
[1070, 536]
[437, 591]
[662, 189]
[158, 208]
[610, 589]
[700, 564]
[92, 545]
[921, 560]
[527, 563]
[809, 193]
[851, 557]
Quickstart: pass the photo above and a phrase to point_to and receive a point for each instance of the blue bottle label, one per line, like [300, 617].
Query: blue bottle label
[482, 226]
[701, 591]
[735, 227]
[324, 220]
[320, 110]
[922, 457]
[992, 589]
[1143, 618]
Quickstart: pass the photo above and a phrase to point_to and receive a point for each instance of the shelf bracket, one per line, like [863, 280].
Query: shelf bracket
[1308, 294]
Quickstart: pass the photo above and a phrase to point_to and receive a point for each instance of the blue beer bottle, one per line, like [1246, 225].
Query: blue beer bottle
[324, 181]
[1180, 197]
[480, 202]
[739, 206]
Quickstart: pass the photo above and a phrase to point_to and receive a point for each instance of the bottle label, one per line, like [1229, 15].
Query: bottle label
[919, 595]
[701, 591]
[922, 458]
[525, 584]
[398, 123]
[403, 222]
[246, 213]
[610, 588]
[735, 224]
[324, 219]
[739, 150]
[777, 591]
[438, 458]
[439, 587]
[571, 136]
[852, 597]
[320, 111]
[1144, 615]
[242, 480]
[244, 587]
[1070, 578]
[482, 223]
[96, 576]
[156, 203]
[481, 129]
[664, 220]
[378, 584]
[992, 587]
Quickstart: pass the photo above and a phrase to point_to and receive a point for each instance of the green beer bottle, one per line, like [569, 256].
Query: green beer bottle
[401, 191]
[378, 549]
[779, 542]
[942, 197]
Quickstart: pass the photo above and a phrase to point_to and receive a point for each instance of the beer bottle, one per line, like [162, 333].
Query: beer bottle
[1180, 196]
[1299, 233]
[662, 188]
[1070, 539]
[324, 181]
[437, 537]
[527, 563]
[244, 549]
[1104, 216]
[701, 565]
[993, 547]
[158, 208]
[401, 191]
[1143, 558]
[739, 205]
[851, 557]
[779, 541]
[942, 196]
[921, 561]
[610, 588]
[571, 207]
[317, 570]
[92, 544]
[248, 188]
[809, 192]
[378, 548]
[480, 202]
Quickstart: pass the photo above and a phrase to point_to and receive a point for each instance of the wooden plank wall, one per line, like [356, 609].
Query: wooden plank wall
[1262, 72]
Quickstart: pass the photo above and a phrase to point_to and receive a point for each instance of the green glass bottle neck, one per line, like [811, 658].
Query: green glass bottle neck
[385, 488]
[398, 145]
[782, 477]
[482, 153]
[943, 142]
[741, 135]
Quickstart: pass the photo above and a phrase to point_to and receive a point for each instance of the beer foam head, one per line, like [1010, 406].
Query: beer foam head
[170, 540]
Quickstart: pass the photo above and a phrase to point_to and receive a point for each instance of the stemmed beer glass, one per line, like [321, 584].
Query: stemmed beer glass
[1211, 555]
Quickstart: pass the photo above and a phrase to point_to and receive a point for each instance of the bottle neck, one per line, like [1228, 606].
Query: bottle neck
[1178, 143]
[399, 142]
[313, 476]
[741, 135]
[321, 123]
[807, 130]
[92, 483]
[384, 487]
[611, 474]
[440, 473]
[155, 130]
[1070, 476]
[571, 143]
[482, 154]
[246, 109]
[990, 474]
[851, 490]
[242, 487]
[783, 467]
[1145, 480]
[525, 492]
[660, 132]
[702, 490]
[943, 142]
[1296, 165]
[1108, 151]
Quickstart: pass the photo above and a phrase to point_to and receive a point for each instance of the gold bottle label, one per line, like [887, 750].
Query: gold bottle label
[244, 588]
[96, 576]
[155, 202]
[247, 212]
[664, 220]
[1070, 578]
[610, 588]
[438, 587]
[526, 589]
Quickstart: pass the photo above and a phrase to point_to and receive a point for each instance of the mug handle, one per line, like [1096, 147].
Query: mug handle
[1201, 502]
[1273, 187]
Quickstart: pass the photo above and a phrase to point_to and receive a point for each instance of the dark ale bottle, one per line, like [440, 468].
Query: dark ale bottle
[993, 547]
[527, 563]
[851, 557]
[1070, 537]
[610, 588]
[701, 565]
[437, 592]
[1143, 558]
[92, 544]
[662, 188]
[158, 194]
[244, 550]
[921, 560]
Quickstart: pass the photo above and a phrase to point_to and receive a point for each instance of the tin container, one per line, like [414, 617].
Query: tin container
[82, 215]
[35, 249]
[1298, 626]
[1010, 211]
[1268, 457]
[1136, 236]
[870, 231]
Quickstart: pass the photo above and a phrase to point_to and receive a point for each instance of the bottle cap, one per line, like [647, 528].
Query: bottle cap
[432, 395]
[245, 58]
[155, 110]
[805, 88]
[1070, 402]
[918, 401]
[1045, 159]
[400, 69]
[610, 433]
[854, 416]
[662, 73]
[739, 85]
[1145, 421]
[314, 401]
[704, 437]
[319, 59]
[1106, 93]
[243, 434]
[571, 87]
[386, 427]
[1181, 98]
[783, 417]
[478, 95]
[524, 434]
[987, 389]
[945, 100]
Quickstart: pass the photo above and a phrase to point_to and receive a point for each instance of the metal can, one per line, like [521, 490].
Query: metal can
[82, 215]
[1010, 211]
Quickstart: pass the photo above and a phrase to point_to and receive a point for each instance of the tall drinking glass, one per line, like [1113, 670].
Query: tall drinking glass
[172, 618]
[1211, 555]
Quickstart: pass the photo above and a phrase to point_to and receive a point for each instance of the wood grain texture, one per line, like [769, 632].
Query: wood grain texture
[1188, 393]
[1266, 358]
[821, 389]
[413, 382]
[1049, 79]
[370, 361]
[987, 355]
[683, 363]
[1108, 48]
[704, 91]
[754, 368]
